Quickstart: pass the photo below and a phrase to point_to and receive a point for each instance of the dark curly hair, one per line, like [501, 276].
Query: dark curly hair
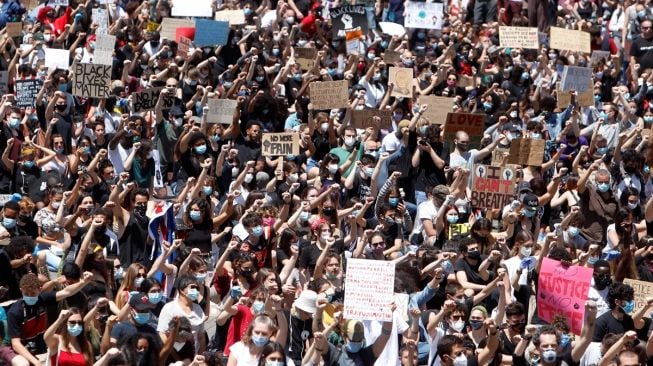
[619, 291]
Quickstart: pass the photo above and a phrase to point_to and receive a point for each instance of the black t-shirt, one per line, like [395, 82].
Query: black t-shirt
[260, 251]
[309, 255]
[200, 236]
[248, 151]
[30, 322]
[607, 323]
[642, 50]
[471, 270]
[300, 331]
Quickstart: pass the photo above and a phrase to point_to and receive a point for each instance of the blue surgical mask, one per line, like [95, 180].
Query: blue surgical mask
[393, 201]
[529, 213]
[487, 106]
[259, 79]
[647, 169]
[139, 281]
[297, 77]
[216, 138]
[14, 123]
[9, 223]
[452, 219]
[602, 150]
[648, 119]
[565, 340]
[536, 136]
[142, 318]
[63, 87]
[560, 68]
[258, 307]
[195, 215]
[29, 164]
[304, 216]
[525, 75]
[154, 297]
[193, 294]
[75, 330]
[30, 300]
[260, 341]
[629, 307]
[423, 130]
[603, 187]
[573, 231]
[603, 115]
[276, 51]
[227, 85]
[597, 97]
[207, 190]
[353, 347]
[200, 149]
[200, 277]
[369, 171]
[257, 231]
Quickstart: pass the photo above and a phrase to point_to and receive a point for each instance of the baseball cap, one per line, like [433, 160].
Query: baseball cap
[530, 201]
[440, 191]
[140, 302]
[524, 187]
[306, 301]
[404, 123]
[354, 330]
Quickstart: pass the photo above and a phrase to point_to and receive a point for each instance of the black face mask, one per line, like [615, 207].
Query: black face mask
[140, 210]
[474, 255]
[328, 211]
[462, 147]
[601, 282]
[399, 134]
[246, 273]
[60, 107]
[519, 328]
[630, 169]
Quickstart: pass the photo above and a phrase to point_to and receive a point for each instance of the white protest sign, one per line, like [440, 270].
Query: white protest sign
[369, 290]
[58, 2]
[402, 302]
[221, 110]
[598, 55]
[158, 177]
[104, 46]
[424, 15]
[392, 29]
[101, 18]
[576, 78]
[518, 37]
[56, 58]
[193, 8]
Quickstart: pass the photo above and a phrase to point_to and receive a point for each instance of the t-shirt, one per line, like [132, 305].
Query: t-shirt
[309, 255]
[334, 356]
[599, 297]
[30, 322]
[642, 50]
[299, 331]
[238, 326]
[471, 270]
[425, 211]
[607, 323]
[196, 318]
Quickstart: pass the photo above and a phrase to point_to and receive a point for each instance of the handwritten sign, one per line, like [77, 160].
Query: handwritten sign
[330, 94]
[145, 100]
[211, 32]
[369, 289]
[392, 29]
[438, 108]
[101, 18]
[183, 47]
[305, 57]
[570, 40]
[169, 26]
[526, 152]
[26, 92]
[599, 55]
[424, 15]
[365, 118]
[402, 302]
[57, 59]
[104, 46]
[518, 37]
[471, 123]
[234, 17]
[643, 290]
[493, 187]
[584, 99]
[152, 26]
[92, 80]
[402, 77]
[348, 17]
[15, 29]
[392, 57]
[221, 110]
[563, 291]
[280, 144]
[576, 78]
[353, 41]
[194, 8]
[58, 2]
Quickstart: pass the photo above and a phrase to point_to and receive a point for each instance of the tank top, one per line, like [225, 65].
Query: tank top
[66, 358]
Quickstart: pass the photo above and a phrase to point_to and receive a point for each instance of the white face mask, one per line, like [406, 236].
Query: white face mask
[460, 360]
[632, 206]
[178, 122]
[324, 126]
[525, 251]
[292, 178]
[179, 345]
[249, 177]
[349, 141]
[56, 204]
[234, 171]
[458, 325]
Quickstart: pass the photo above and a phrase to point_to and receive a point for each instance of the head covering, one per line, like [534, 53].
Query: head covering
[306, 301]
[530, 201]
[524, 187]
[354, 330]
[140, 302]
[404, 123]
[440, 191]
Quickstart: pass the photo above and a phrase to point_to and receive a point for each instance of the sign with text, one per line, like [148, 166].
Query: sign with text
[438, 108]
[211, 32]
[330, 94]
[584, 99]
[305, 57]
[234, 17]
[183, 47]
[402, 78]
[26, 92]
[221, 110]
[280, 144]
[369, 290]
[54, 3]
[570, 40]
[471, 123]
[145, 100]
[14, 29]
[497, 156]
[92, 80]
[101, 18]
[56, 58]
[599, 55]
[104, 46]
[392, 57]
[348, 17]
[563, 291]
[392, 29]
[518, 37]
[526, 152]
[424, 15]
[381, 119]
[169, 27]
[643, 290]
[152, 26]
[576, 78]
[353, 41]
[194, 8]
[493, 187]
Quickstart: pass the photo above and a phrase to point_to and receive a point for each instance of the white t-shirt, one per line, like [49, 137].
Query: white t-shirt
[172, 309]
[117, 156]
[241, 352]
[592, 355]
[600, 298]
[466, 160]
[512, 265]
[390, 354]
[425, 211]
[391, 143]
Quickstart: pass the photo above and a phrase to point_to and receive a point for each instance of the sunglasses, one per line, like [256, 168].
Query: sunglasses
[75, 322]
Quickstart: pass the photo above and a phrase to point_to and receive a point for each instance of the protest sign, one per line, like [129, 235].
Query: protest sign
[4, 82]
[348, 17]
[234, 17]
[584, 99]
[471, 123]
[14, 29]
[183, 46]
[570, 40]
[330, 94]
[92, 80]
[402, 301]
[518, 37]
[363, 119]
[30, 4]
[169, 27]
[562, 291]
[280, 144]
[402, 78]
[145, 100]
[599, 55]
[56, 58]
[493, 187]
[26, 92]
[424, 15]
[194, 8]
[104, 46]
[221, 110]
[497, 156]
[391, 57]
[54, 3]
[643, 289]
[437, 108]
[352, 41]
[392, 29]
[369, 290]
[527, 152]
[186, 32]
[152, 26]
[101, 18]
[305, 57]
[576, 78]
[211, 32]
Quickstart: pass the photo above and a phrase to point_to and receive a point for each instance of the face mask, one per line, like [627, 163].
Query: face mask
[476, 324]
[421, 35]
[193, 294]
[629, 307]
[526, 252]
[297, 77]
[30, 300]
[460, 360]
[154, 298]
[260, 341]
[349, 141]
[257, 231]
[139, 281]
[368, 171]
[325, 236]
[141, 318]
[602, 282]
[258, 307]
[474, 255]
[179, 345]
[408, 63]
[324, 126]
[549, 355]
[29, 164]
[573, 231]
[598, 75]
[371, 56]
[390, 221]
[524, 75]
[603, 115]
[227, 85]
[59, 150]
[597, 98]
[458, 325]
[603, 187]
[393, 201]
[333, 168]
[14, 123]
[648, 119]
[200, 149]
[119, 273]
[140, 210]
[487, 106]
[353, 347]
[632, 206]
[273, 363]
[9, 223]
[195, 215]
[56, 204]
[514, 114]
[200, 277]
[602, 150]
[178, 121]
[446, 266]
[249, 177]
[529, 213]
[452, 219]
[207, 190]
[397, 116]
[75, 330]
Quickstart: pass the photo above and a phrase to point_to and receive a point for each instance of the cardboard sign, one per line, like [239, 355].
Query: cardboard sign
[169, 26]
[184, 32]
[305, 57]
[424, 15]
[280, 144]
[570, 40]
[526, 152]
[104, 46]
[497, 156]
[211, 32]
[584, 99]
[576, 78]
[348, 17]
[402, 302]
[493, 187]
[14, 29]
[599, 55]
[194, 8]
[183, 47]
[392, 29]
[562, 291]
[145, 100]
[518, 37]
[643, 290]
[221, 110]
[472, 123]
[56, 58]
[234, 17]
[30, 4]
[26, 92]
[4, 82]
[438, 108]
[363, 119]
[92, 80]
[353, 41]
[392, 57]
[330, 94]
[369, 290]
[402, 77]
[101, 18]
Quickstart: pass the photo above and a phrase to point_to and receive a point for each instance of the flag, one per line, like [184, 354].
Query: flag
[161, 227]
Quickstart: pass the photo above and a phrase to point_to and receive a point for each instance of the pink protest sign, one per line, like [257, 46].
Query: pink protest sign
[563, 291]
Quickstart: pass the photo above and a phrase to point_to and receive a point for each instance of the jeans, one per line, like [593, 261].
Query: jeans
[420, 196]
[485, 11]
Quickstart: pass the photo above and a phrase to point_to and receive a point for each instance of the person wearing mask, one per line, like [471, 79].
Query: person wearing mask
[185, 306]
[137, 323]
[599, 287]
[464, 157]
[71, 347]
[619, 319]
[597, 203]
